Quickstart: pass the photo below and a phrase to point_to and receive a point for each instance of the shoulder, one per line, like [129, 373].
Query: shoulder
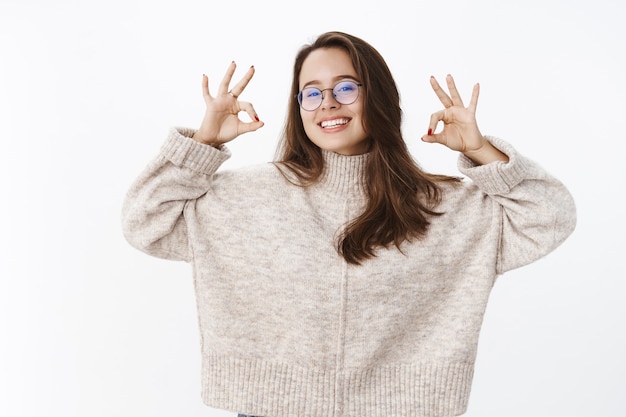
[460, 193]
[259, 178]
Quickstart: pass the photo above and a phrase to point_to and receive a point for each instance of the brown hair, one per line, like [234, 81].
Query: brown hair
[401, 196]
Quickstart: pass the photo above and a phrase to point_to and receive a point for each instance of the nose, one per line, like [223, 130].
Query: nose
[333, 101]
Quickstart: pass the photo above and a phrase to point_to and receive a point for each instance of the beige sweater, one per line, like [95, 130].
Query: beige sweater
[288, 329]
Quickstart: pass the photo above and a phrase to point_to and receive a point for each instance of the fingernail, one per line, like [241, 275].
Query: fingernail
[251, 66]
[256, 118]
[430, 132]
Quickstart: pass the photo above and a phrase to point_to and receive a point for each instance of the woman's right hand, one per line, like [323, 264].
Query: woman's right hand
[221, 121]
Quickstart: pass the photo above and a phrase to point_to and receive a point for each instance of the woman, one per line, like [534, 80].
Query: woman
[342, 280]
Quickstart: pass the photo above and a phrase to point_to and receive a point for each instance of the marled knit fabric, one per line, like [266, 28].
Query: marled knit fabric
[288, 328]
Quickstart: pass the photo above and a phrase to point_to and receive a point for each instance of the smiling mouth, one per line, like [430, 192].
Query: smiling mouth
[327, 124]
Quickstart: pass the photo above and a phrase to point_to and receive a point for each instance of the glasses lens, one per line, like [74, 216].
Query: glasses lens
[310, 98]
[346, 92]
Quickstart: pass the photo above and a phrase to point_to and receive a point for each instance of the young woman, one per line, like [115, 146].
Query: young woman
[341, 279]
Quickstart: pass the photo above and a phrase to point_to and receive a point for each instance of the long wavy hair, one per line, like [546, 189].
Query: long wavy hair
[401, 196]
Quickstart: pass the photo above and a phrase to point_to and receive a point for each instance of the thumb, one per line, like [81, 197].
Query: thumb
[431, 137]
[250, 126]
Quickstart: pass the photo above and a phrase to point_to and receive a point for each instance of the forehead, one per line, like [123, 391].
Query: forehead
[326, 65]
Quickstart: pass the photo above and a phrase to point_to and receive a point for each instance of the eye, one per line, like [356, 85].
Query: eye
[311, 92]
[345, 87]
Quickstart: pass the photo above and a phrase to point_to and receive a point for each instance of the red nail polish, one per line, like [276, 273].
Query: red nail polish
[256, 118]
[430, 132]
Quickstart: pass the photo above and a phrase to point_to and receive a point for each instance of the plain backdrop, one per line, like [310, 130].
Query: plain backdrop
[90, 327]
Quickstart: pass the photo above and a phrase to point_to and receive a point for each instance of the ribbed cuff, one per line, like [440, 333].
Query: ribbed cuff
[497, 177]
[183, 151]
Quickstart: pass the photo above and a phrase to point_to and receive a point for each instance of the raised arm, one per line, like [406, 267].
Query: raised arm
[537, 211]
[153, 214]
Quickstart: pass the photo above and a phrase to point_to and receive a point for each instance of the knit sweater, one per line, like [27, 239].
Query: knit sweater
[288, 328]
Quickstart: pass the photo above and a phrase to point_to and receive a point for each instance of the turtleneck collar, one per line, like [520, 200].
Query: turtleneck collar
[343, 174]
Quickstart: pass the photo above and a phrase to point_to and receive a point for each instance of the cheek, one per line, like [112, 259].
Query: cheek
[307, 119]
[305, 115]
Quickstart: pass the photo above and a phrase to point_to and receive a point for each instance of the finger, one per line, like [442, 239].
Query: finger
[205, 87]
[454, 93]
[241, 85]
[474, 99]
[223, 88]
[248, 108]
[443, 97]
[435, 118]
[250, 126]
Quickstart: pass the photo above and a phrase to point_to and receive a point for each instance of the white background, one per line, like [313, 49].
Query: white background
[88, 90]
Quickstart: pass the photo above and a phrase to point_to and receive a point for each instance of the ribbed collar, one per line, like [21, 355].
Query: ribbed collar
[343, 175]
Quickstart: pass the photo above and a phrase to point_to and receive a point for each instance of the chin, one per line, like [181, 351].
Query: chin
[342, 147]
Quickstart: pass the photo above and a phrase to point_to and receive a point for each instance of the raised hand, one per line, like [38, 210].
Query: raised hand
[221, 121]
[460, 130]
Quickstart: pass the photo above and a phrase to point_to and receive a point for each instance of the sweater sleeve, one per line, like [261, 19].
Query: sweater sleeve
[536, 211]
[153, 210]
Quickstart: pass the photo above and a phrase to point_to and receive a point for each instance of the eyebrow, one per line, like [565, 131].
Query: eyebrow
[336, 79]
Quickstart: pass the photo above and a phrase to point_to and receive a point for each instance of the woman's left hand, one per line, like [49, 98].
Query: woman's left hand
[460, 130]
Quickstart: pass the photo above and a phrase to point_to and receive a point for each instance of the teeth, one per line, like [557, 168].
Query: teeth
[333, 123]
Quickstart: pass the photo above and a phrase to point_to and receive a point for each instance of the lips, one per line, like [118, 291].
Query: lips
[328, 124]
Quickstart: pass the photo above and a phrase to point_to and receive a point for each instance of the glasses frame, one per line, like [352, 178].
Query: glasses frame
[299, 95]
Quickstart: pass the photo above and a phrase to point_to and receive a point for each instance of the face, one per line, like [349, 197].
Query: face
[333, 126]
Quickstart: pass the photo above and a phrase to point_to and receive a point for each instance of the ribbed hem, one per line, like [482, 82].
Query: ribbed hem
[497, 177]
[423, 390]
[183, 151]
[258, 387]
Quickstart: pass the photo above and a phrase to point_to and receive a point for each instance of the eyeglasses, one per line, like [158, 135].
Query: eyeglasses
[344, 92]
